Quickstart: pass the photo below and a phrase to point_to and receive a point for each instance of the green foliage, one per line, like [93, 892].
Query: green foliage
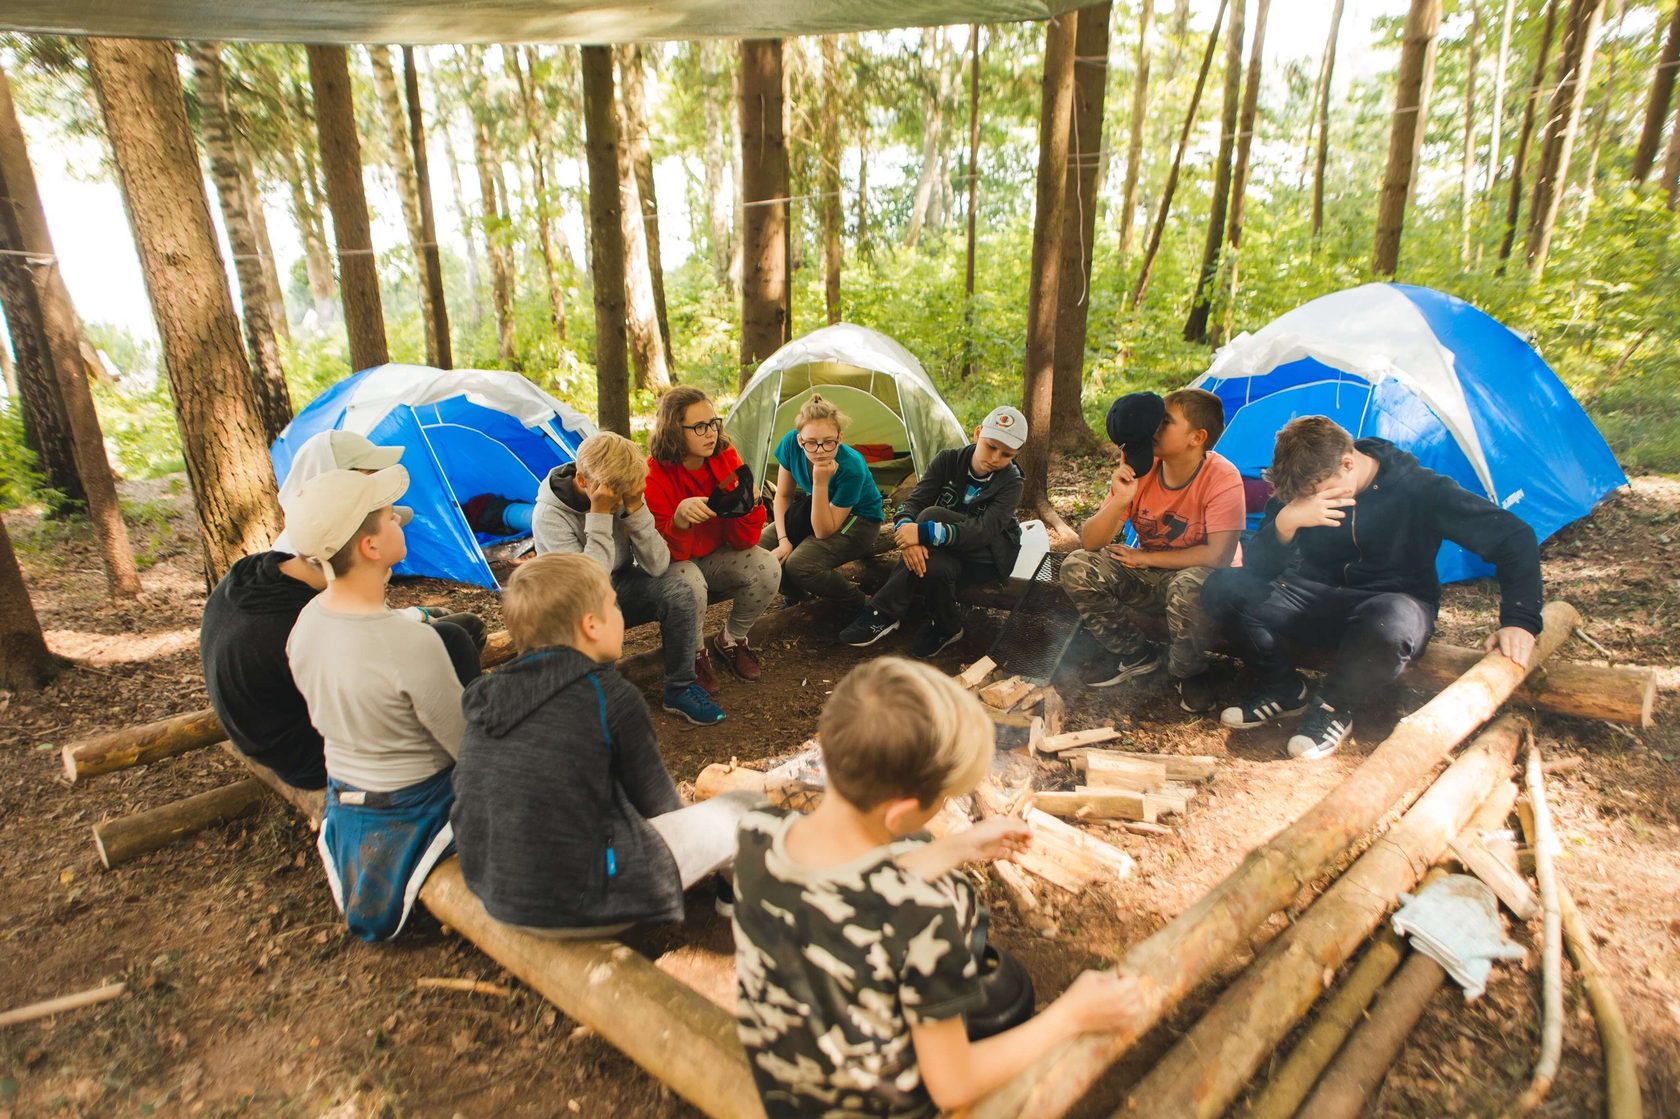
[20, 482]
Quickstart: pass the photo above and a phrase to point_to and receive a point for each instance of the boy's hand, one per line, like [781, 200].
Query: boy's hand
[1102, 1001]
[1518, 644]
[823, 471]
[907, 535]
[1122, 484]
[691, 511]
[1326, 509]
[602, 499]
[632, 498]
[996, 837]
[782, 550]
[1131, 557]
[915, 558]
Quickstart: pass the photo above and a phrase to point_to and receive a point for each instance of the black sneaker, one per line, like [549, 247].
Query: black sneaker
[934, 639]
[1195, 693]
[1113, 670]
[1266, 704]
[868, 628]
[1323, 729]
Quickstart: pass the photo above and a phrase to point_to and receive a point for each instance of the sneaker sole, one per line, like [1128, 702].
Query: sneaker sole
[1130, 673]
[872, 640]
[1283, 714]
[943, 645]
[1313, 754]
[684, 714]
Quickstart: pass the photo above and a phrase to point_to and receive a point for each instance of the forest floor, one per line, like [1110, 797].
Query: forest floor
[245, 996]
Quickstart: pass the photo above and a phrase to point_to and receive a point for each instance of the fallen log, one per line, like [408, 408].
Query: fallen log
[143, 745]
[129, 837]
[1507, 885]
[1177, 958]
[1551, 956]
[48, 1007]
[1208, 1067]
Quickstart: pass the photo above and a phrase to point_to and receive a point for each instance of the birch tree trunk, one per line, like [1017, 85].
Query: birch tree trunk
[1467, 171]
[973, 197]
[1140, 112]
[267, 375]
[765, 309]
[495, 221]
[648, 351]
[606, 234]
[1662, 96]
[259, 226]
[463, 215]
[1525, 135]
[714, 68]
[341, 158]
[525, 79]
[828, 179]
[401, 157]
[295, 152]
[638, 150]
[1239, 175]
[1411, 108]
[932, 139]
[1580, 37]
[140, 98]
[25, 663]
[1497, 124]
[438, 347]
[1589, 179]
[1322, 153]
[1195, 325]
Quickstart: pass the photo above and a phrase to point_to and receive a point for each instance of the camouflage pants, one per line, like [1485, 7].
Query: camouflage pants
[1122, 606]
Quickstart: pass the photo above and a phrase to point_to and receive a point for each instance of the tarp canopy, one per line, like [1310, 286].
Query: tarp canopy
[883, 390]
[1436, 377]
[463, 432]
[419, 22]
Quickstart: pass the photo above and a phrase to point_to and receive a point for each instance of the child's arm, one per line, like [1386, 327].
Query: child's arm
[826, 517]
[974, 533]
[1104, 525]
[1218, 550]
[785, 488]
[995, 838]
[1505, 540]
[957, 1072]
[434, 690]
[635, 750]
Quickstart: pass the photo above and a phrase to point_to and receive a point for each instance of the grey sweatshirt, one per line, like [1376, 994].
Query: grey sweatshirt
[562, 522]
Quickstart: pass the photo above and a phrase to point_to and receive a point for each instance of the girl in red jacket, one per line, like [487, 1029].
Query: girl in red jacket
[705, 504]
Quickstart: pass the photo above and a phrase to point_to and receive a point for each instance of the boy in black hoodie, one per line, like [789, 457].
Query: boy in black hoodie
[565, 818]
[1346, 556]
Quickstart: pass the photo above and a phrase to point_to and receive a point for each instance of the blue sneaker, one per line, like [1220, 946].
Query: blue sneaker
[693, 704]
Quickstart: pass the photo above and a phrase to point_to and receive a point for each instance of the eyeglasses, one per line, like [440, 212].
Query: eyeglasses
[704, 427]
[819, 444]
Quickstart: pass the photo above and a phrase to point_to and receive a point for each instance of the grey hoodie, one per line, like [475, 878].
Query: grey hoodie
[562, 522]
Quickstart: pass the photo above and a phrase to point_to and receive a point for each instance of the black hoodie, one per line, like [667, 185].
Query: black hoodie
[558, 772]
[242, 644]
[1393, 531]
[989, 532]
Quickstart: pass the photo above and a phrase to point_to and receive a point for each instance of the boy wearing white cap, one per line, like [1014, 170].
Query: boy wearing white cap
[383, 694]
[957, 526]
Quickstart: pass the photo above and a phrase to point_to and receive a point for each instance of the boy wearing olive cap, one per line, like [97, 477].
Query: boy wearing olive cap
[383, 694]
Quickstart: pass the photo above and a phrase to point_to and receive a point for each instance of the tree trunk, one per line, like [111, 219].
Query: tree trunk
[973, 196]
[1239, 174]
[1411, 109]
[267, 375]
[1496, 135]
[1195, 325]
[25, 662]
[1167, 191]
[8, 368]
[298, 166]
[864, 246]
[638, 153]
[495, 221]
[714, 69]
[1525, 135]
[1322, 154]
[828, 178]
[1589, 180]
[525, 78]
[1662, 95]
[1670, 172]
[648, 353]
[606, 234]
[431, 262]
[259, 226]
[46, 424]
[1140, 112]
[401, 154]
[341, 158]
[1068, 429]
[932, 138]
[1044, 287]
[765, 297]
[1466, 187]
[227, 460]
[39, 304]
[1580, 37]
[463, 216]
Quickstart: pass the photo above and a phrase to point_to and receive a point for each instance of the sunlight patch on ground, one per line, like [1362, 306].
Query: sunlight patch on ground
[104, 649]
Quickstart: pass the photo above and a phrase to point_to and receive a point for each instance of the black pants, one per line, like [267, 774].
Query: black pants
[946, 567]
[1375, 634]
[463, 635]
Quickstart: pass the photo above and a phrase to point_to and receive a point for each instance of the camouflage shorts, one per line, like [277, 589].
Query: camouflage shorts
[1126, 608]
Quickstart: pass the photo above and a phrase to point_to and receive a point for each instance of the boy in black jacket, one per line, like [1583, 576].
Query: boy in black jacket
[565, 818]
[957, 525]
[1346, 556]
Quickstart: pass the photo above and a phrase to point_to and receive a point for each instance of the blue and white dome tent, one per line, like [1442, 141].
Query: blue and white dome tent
[464, 432]
[1433, 375]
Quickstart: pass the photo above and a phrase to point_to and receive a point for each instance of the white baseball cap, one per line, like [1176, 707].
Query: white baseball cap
[324, 512]
[330, 450]
[1006, 425]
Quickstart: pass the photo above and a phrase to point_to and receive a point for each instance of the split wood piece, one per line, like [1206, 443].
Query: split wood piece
[1507, 885]
[1551, 956]
[1141, 827]
[1098, 804]
[1035, 736]
[129, 837]
[1366, 1058]
[1180, 767]
[1181, 955]
[1005, 694]
[1206, 1070]
[1169, 800]
[49, 1007]
[1054, 833]
[1015, 884]
[1113, 771]
[464, 986]
[1032, 699]
[1071, 870]
[1621, 1061]
[143, 745]
[975, 674]
[1054, 711]
[1072, 739]
[1017, 719]
[720, 777]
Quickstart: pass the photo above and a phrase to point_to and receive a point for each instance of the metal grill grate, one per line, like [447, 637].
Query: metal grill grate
[1039, 629]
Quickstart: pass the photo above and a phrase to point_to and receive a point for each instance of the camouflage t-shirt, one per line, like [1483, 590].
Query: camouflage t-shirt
[834, 966]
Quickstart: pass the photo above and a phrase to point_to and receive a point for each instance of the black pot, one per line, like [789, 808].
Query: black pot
[1009, 995]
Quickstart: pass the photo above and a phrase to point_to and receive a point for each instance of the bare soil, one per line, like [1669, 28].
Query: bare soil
[246, 998]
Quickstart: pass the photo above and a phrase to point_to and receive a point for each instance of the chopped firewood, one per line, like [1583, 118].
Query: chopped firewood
[1015, 884]
[1035, 735]
[1010, 718]
[1168, 801]
[1032, 699]
[1051, 832]
[1054, 711]
[1180, 767]
[975, 674]
[1507, 885]
[1068, 740]
[1055, 862]
[1114, 772]
[1005, 694]
[465, 986]
[1103, 804]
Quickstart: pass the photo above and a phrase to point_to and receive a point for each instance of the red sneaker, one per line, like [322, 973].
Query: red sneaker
[738, 658]
[705, 675]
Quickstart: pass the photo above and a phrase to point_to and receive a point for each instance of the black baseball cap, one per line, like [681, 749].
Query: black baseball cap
[1132, 423]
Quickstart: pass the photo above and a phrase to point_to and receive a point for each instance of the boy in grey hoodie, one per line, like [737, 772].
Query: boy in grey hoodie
[594, 507]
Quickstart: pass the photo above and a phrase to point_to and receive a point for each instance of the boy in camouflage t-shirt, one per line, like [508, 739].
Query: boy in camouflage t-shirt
[852, 932]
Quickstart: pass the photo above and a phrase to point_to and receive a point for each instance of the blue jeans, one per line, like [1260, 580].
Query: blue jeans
[671, 602]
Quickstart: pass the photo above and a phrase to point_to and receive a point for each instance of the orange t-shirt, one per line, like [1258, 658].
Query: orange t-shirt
[1211, 501]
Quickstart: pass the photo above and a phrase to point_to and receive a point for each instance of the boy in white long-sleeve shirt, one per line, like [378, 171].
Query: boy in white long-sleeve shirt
[384, 696]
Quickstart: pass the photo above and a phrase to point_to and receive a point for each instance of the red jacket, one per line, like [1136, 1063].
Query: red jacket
[669, 483]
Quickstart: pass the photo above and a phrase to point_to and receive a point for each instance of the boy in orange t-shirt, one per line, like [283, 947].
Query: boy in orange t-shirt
[1186, 506]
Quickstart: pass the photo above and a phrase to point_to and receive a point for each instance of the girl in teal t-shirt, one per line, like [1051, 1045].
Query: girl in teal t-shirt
[827, 510]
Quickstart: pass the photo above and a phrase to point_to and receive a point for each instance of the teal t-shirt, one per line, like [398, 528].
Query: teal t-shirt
[852, 486]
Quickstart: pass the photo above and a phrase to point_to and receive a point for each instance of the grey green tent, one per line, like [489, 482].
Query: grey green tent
[886, 395]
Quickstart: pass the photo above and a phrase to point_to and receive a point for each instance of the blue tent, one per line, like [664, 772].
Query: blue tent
[463, 432]
[1433, 375]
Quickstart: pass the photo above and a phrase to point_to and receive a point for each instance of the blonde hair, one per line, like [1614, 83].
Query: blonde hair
[345, 558]
[816, 408]
[896, 728]
[547, 598]
[609, 457]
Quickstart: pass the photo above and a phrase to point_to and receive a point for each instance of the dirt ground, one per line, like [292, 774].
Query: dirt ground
[246, 998]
